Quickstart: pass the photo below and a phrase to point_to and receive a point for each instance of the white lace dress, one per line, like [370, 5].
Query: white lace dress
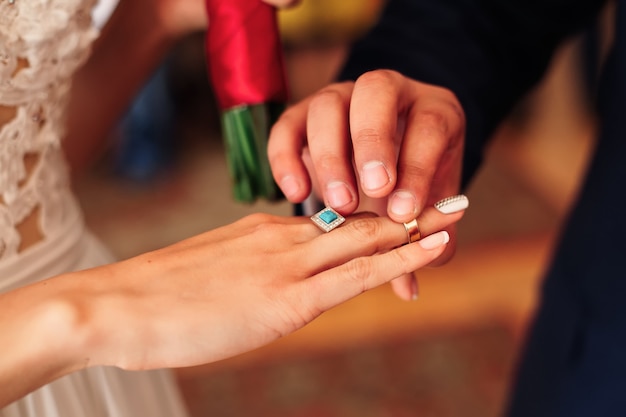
[42, 42]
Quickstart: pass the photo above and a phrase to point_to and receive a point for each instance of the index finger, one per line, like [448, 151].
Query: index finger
[285, 147]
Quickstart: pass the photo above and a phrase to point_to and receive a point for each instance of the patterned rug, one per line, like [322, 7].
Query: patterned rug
[454, 374]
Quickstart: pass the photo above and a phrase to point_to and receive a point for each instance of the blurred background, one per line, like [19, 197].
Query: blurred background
[452, 353]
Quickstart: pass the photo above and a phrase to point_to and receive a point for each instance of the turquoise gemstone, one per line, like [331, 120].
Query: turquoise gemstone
[328, 217]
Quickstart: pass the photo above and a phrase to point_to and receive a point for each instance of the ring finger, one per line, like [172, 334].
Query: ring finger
[364, 235]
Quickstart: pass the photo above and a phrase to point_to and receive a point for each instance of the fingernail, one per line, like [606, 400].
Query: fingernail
[402, 204]
[338, 194]
[452, 204]
[289, 185]
[374, 175]
[435, 240]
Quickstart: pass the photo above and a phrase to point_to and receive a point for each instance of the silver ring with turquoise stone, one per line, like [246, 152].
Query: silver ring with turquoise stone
[327, 219]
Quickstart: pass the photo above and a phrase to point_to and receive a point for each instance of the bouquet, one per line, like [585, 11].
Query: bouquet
[246, 68]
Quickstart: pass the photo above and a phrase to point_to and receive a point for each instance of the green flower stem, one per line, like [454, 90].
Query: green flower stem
[246, 132]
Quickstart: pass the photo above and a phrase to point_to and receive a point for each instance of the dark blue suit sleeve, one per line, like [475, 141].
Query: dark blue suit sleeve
[488, 52]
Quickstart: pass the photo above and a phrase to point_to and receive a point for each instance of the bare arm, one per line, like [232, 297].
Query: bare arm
[203, 299]
[37, 343]
[132, 44]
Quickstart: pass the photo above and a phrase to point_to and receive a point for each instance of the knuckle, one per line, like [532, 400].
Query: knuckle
[432, 122]
[327, 96]
[365, 230]
[377, 77]
[402, 259]
[456, 122]
[262, 229]
[285, 131]
[278, 130]
[458, 111]
[413, 171]
[275, 157]
[327, 162]
[275, 153]
[454, 112]
[359, 270]
[368, 137]
[269, 231]
[280, 158]
[259, 221]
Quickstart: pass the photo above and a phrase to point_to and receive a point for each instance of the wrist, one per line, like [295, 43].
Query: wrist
[60, 334]
[44, 337]
[72, 323]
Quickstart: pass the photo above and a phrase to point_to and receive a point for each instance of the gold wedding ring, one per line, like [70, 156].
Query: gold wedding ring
[412, 231]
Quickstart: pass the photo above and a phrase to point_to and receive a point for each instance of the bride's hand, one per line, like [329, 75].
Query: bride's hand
[242, 286]
[206, 298]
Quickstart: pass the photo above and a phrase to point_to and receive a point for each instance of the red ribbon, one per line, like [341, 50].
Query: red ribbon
[244, 53]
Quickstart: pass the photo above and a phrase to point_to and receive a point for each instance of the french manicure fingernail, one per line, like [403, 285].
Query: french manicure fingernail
[435, 240]
[338, 194]
[374, 175]
[402, 204]
[452, 204]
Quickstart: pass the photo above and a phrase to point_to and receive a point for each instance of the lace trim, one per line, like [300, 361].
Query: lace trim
[42, 43]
